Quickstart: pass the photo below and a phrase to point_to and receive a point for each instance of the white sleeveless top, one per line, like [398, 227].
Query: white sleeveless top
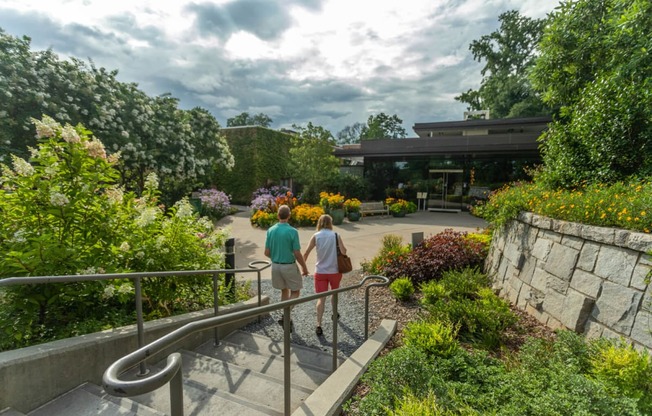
[326, 252]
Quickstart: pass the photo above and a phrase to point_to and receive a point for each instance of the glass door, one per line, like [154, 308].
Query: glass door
[446, 190]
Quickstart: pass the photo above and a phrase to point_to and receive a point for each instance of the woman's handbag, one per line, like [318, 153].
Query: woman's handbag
[343, 261]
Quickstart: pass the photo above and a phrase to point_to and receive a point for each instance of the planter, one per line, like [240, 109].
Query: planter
[354, 216]
[338, 216]
[398, 214]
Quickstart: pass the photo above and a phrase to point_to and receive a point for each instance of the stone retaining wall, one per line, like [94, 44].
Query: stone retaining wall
[593, 280]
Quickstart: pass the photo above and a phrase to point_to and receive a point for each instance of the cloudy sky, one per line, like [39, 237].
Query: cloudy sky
[331, 62]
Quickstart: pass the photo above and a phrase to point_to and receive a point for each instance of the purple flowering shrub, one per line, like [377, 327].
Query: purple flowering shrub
[215, 204]
[448, 250]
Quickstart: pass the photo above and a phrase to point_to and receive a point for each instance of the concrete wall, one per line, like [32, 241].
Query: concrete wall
[593, 280]
[32, 376]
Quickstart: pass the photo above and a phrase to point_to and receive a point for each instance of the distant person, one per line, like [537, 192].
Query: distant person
[327, 274]
[282, 246]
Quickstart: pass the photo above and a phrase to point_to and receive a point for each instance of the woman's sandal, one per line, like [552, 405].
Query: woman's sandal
[319, 331]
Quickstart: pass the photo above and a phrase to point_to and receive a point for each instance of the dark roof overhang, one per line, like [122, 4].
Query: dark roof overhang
[522, 143]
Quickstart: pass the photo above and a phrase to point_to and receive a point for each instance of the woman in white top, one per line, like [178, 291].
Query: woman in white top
[326, 272]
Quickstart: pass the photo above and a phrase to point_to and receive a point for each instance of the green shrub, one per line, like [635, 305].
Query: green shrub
[402, 288]
[401, 370]
[392, 251]
[411, 405]
[625, 371]
[65, 214]
[462, 297]
[434, 338]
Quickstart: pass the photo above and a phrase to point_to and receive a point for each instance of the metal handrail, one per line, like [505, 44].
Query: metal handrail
[136, 277]
[172, 371]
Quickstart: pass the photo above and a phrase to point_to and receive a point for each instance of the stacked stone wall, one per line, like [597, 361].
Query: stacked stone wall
[592, 280]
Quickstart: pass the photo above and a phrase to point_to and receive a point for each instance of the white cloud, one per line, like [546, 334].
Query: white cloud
[334, 63]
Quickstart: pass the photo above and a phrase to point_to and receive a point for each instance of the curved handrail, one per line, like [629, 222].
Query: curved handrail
[136, 278]
[125, 388]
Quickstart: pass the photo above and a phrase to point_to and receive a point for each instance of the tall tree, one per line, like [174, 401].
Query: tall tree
[244, 119]
[313, 162]
[350, 134]
[383, 126]
[509, 53]
[596, 66]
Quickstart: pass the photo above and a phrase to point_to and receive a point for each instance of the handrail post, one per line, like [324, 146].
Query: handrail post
[286, 361]
[335, 327]
[366, 313]
[139, 322]
[176, 394]
[216, 307]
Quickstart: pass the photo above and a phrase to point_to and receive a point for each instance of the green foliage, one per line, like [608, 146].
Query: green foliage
[312, 161]
[434, 338]
[261, 155]
[509, 53]
[411, 405]
[596, 67]
[184, 148]
[64, 214]
[625, 371]
[548, 377]
[392, 251]
[350, 134]
[401, 370]
[402, 288]
[383, 126]
[244, 119]
[622, 205]
[464, 298]
[353, 186]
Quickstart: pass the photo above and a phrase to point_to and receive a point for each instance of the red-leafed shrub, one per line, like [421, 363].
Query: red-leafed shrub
[448, 250]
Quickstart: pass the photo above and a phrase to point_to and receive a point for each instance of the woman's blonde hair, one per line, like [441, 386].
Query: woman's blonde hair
[325, 221]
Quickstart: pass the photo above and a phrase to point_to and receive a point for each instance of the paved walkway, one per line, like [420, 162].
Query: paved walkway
[363, 239]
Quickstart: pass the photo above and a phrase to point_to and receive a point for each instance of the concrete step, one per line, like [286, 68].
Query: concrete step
[301, 355]
[11, 412]
[212, 386]
[301, 374]
[90, 399]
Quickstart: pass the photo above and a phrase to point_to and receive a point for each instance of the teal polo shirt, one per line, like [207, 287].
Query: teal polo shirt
[282, 240]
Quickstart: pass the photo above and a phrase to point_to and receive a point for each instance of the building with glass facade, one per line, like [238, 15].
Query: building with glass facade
[450, 163]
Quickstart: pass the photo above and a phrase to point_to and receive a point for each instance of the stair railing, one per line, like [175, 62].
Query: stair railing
[254, 267]
[172, 371]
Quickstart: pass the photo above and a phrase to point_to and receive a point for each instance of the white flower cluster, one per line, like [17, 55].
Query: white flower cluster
[21, 166]
[58, 199]
[151, 181]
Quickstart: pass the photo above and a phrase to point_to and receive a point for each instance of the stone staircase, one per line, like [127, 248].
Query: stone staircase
[241, 376]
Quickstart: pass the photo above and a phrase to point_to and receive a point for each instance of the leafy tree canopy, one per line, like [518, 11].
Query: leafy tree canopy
[313, 162]
[151, 134]
[508, 53]
[244, 119]
[596, 67]
[383, 126]
[350, 134]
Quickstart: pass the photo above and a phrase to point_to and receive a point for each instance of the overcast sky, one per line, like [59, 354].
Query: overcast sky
[331, 62]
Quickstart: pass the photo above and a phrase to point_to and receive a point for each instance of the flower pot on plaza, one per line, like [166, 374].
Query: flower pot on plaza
[338, 216]
[354, 216]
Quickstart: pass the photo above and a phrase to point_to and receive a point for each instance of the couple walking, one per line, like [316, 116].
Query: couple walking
[282, 246]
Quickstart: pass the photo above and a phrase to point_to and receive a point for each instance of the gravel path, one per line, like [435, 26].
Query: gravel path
[304, 317]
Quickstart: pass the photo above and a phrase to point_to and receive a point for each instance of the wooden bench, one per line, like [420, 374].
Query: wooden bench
[373, 208]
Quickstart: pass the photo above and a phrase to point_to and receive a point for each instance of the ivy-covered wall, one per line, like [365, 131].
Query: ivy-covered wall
[262, 157]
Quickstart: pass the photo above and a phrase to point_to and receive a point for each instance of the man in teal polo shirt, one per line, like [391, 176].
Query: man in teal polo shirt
[282, 246]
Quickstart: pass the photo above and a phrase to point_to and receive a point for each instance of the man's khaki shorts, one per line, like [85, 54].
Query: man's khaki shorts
[286, 276]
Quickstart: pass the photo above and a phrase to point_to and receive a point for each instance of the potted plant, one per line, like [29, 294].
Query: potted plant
[352, 207]
[400, 207]
[333, 205]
